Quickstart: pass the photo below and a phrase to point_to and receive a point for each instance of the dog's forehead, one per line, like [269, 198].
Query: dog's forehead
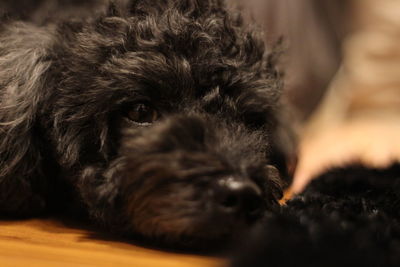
[176, 79]
[179, 49]
[172, 58]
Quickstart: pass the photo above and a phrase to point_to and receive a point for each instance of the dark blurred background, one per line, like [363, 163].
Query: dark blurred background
[312, 31]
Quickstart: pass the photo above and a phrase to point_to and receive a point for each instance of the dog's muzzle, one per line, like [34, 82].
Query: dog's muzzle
[197, 176]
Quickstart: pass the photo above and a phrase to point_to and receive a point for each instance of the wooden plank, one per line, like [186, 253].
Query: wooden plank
[49, 242]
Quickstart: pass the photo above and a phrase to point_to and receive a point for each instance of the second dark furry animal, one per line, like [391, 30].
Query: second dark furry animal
[347, 217]
[157, 118]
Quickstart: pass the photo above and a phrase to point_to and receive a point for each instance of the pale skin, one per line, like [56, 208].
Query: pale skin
[371, 142]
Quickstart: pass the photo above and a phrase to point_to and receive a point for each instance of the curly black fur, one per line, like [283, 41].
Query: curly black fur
[65, 139]
[347, 217]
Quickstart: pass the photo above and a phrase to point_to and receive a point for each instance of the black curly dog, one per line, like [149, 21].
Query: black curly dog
[158, 118]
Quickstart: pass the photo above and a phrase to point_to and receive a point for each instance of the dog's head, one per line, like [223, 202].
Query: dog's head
[164, 114]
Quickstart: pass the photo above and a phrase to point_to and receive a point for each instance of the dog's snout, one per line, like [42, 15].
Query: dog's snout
[238, 197]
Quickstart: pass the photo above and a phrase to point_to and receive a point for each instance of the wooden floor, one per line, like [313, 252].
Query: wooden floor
[51, 242]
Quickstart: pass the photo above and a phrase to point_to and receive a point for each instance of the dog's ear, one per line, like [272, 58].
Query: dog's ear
[23, 65]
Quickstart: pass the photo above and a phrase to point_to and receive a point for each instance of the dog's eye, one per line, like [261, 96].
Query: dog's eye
[142, 113]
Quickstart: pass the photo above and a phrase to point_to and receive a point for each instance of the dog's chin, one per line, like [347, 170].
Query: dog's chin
[201, 233]
[187, 224]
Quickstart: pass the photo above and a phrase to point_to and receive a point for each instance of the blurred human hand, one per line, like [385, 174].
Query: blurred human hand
[371, 141]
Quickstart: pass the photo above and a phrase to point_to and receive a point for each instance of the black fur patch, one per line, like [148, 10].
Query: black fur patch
[346, 217]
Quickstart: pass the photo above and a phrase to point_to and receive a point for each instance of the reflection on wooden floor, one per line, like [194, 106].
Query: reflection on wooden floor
[48, 242]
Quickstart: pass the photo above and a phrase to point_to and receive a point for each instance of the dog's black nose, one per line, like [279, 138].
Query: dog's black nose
[238, 197]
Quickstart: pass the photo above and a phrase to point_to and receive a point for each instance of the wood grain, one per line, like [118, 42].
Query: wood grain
[49, 242]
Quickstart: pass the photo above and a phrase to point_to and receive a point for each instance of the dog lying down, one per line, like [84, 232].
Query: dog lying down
[157, 118]
[347, 217]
